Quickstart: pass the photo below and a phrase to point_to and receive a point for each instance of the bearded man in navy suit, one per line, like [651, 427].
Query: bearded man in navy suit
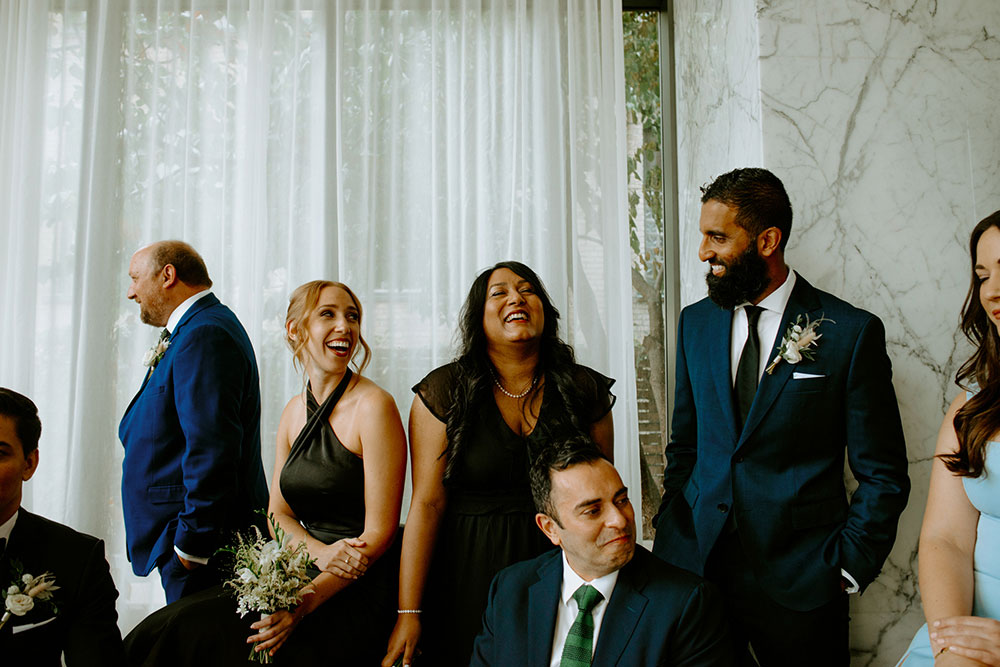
[754, 494]
[192, 474]
[598, 600]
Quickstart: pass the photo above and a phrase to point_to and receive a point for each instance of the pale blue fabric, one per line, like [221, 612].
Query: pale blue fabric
[984, 493]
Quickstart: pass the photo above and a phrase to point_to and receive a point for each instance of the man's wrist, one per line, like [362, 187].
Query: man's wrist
[189, 561]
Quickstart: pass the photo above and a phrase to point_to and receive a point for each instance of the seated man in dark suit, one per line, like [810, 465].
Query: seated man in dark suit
[599, 599]
[79, 621]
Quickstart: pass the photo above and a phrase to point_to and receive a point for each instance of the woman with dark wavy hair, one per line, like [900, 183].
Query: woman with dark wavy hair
[960, 536]
[473, 427]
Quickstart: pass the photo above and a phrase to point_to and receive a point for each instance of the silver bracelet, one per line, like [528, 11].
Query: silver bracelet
[409, 611]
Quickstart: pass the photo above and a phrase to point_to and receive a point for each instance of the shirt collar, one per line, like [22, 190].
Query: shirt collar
[573, 581]
[179, 311]
[8, 526]
[778, 299]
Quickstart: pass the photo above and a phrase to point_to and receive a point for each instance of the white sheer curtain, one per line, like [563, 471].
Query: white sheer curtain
[398, 146]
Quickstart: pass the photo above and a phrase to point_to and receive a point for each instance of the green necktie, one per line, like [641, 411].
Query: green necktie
[579, 648]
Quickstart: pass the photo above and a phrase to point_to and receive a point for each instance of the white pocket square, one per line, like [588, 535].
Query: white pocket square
[31, 626]
[805, 376]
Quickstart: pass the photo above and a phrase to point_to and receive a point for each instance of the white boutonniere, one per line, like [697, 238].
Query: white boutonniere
[155, 353]
[799, 342]
[22, 594]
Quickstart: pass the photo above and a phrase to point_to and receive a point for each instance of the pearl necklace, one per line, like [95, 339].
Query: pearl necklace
[524, 393]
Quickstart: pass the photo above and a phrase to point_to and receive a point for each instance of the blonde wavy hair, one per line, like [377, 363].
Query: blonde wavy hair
[301, 304]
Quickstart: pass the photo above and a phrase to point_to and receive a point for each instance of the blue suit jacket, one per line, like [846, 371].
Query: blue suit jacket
[783, 474]
[84, 628]
[658, 615]
[192, 472]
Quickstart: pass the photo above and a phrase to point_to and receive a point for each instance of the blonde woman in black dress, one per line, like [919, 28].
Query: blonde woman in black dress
[339, 469]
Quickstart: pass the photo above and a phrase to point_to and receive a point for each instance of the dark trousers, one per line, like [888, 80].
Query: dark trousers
[777, 635]
[179, 582]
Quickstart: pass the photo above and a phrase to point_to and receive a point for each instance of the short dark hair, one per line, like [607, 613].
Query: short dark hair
[188, 264]
[554, 457]
[759, 198]
[24, 413]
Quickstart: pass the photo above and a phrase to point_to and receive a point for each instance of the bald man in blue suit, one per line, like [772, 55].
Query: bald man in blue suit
[192, 474]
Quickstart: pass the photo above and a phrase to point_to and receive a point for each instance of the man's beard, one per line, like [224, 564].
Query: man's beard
[151, 311]
[744, 280]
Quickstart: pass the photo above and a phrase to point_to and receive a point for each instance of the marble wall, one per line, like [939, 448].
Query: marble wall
[880, 118]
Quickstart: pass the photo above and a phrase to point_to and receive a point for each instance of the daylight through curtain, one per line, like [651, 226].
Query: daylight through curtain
[400, 147]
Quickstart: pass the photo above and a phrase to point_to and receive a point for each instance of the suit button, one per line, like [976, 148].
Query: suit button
[739, 459]
[723, 507]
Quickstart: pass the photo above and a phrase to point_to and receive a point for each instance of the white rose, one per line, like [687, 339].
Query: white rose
[147, 359]
[13, 590]
[27, 578]
[792, 354]
[19, 604]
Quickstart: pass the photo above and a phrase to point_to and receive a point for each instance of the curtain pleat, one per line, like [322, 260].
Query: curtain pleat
[398, 146]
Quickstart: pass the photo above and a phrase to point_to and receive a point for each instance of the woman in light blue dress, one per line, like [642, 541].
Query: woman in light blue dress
[960, 536]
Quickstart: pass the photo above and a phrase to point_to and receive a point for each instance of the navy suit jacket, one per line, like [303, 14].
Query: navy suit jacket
[192, 472]
[85, 625]
[658, 615]
[783, 473]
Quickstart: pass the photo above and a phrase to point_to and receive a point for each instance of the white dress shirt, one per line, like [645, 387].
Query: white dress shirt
[767, 326]
[767, 333]
[567, 609]
[7, 526]
[172, 321]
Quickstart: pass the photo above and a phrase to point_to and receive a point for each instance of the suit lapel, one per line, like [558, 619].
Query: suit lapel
[543, 596]
[624, 610]
[196, 307]
[19, 541]
[719, 329]
[803, 300]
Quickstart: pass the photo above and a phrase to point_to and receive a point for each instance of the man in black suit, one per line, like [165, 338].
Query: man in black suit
[599, 599]
[79, 621]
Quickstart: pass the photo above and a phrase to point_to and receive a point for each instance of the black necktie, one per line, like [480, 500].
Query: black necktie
[747, 373]
[164, 335]
[3, 545]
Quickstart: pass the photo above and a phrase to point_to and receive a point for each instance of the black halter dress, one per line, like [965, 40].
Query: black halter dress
[323, 482]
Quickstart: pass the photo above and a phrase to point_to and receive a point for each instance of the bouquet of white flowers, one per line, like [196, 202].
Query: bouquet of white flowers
[268, 575]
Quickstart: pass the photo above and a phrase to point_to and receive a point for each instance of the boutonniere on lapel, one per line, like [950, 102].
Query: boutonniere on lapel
[26, 591]
[155, 353]
[799, 342]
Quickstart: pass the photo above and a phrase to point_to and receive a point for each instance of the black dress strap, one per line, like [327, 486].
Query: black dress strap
[314, 420]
